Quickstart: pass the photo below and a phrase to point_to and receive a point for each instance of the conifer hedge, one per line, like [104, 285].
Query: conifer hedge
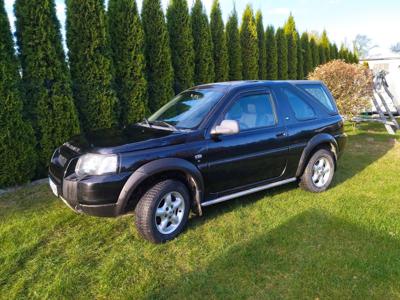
[45, 77]
[272, 53]
[203, 51]
[233, 47]
[17, 142]
[307, 55]
[219, 43]
[159, 71]
[282, 45]
[181, 41]
[127, 45]
[290, 32]
[262, 66]
[90, 63]
[249, 44]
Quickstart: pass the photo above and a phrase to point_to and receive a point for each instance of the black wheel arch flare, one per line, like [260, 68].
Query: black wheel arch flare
[159, 166]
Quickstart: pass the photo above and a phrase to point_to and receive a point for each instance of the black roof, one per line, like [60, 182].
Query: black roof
[252, 83]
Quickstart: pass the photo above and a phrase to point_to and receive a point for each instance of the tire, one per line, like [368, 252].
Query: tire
[154, 218]
[319, 171]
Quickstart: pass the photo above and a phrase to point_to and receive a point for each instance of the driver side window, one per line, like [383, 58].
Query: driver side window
[253, 111]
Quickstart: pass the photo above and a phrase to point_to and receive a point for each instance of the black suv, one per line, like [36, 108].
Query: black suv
[209, 144]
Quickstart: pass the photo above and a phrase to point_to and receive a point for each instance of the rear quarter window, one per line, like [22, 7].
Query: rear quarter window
[301, 109]
[319, 93]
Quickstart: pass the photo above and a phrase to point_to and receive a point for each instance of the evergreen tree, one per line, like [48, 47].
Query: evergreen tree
[233, 46]
[17, 159]
[127, 43]
[307, 54]
[204, 64]
[334, 51]
[249, 45]
[271, 54]
[300, 58]
[314, 52]
[90, 63]
[45, 78]
[282, 46]
[325, 45]
[159, 71]
[290, 32]
[331, 51]
[181, 41]
[262, 66]
[322, 54]
[219, 43]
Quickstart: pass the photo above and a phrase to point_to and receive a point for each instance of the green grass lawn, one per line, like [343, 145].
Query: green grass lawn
[281, 243]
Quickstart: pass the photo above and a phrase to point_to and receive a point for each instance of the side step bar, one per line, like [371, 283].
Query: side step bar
[247, 192]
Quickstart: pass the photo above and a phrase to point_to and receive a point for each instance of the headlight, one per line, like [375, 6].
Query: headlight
[96, 164]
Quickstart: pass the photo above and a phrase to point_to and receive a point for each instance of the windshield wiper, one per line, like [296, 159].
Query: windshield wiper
[165, 124]
[146, 122]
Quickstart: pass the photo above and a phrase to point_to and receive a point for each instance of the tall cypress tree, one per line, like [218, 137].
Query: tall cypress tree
[290, 32]
[334, 51]
[127, 43]
[300, 58]
[314, 52]
[219, 43]
[233, 46]
[17, 142]
[282, 46]
[272, 54]
[204, 63]
[262, 63]
[90, 63]
[159, 71]
[249, 45]
[322, 54]
[307, 55]
[45, 77]
[325, 45]
[181, 41]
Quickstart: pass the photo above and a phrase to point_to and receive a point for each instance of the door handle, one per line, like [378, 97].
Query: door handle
[281, 134]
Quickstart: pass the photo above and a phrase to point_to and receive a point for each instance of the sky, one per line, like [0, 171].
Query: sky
[343, 19]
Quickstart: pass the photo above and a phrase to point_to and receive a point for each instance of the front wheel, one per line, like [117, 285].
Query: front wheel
[318, 173]
[163, 211]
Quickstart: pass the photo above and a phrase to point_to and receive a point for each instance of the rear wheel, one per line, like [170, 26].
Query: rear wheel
[163, 211]
[319, 171]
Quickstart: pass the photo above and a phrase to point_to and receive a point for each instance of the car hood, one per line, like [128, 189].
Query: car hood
[131, 138]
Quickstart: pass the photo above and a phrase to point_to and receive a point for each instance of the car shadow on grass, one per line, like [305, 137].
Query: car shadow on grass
[313, 255]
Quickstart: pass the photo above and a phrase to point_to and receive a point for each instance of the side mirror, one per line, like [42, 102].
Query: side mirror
[226, 127]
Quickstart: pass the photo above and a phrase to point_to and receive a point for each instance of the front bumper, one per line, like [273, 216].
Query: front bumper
[96, 195]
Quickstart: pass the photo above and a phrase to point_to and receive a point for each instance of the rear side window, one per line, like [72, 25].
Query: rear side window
[319, 93]
[302, 110]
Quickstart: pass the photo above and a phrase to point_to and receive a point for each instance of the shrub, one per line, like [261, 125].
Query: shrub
[262, 67]
[45, 77]
[90, 63]
[181, 39]
[272, 53]
[351, 85]
[281, 43]
[17, 142]
[234, 49]
[160, 75]
[249, 45]
[203, 57]
[219, 43]
[127, 43]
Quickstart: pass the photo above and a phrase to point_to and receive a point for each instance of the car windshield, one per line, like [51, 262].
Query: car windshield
[188, 109]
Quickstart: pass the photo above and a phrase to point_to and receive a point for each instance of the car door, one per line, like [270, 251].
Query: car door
[257, 153]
